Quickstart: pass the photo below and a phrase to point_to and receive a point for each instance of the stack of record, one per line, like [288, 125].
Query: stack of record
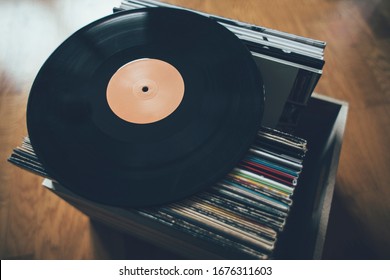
[248, 209]
[291, 65]
[242, 214]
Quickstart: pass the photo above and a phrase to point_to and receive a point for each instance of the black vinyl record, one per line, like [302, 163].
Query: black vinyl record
[145, 107]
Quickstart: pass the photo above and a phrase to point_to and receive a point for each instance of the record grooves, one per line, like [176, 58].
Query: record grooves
[90, 147]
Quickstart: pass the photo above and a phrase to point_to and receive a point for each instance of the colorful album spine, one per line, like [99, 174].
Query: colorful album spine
[245, 212]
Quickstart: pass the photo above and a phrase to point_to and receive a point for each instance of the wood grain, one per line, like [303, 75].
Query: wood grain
[35, 224]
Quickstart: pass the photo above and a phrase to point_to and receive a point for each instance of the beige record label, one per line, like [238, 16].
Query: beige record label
[145, 91]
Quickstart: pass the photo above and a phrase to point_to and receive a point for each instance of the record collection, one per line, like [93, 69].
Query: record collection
[142, 124]
[295, 60]
[241, 215]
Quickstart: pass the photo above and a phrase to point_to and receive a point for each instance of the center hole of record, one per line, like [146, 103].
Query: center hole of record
[145, 89]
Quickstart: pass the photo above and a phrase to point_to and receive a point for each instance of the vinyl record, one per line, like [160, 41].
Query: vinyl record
[145, 107]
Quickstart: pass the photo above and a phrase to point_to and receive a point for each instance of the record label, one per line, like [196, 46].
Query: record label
[145, 91]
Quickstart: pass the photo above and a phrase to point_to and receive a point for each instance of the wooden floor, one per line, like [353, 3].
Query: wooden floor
[35, 224]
